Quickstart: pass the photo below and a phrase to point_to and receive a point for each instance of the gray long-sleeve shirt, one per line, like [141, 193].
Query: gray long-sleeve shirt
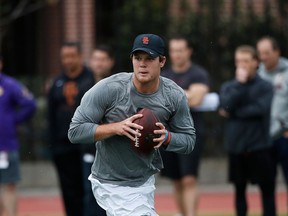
[279, 110]
[115, 99]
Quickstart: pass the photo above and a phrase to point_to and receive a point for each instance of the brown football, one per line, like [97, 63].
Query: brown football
[144, 144]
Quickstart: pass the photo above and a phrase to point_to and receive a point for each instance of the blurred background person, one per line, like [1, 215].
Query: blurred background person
[101, 63]
[17, 105]
[274, 69]
[245, 103]
[183, 169]
[63, 98]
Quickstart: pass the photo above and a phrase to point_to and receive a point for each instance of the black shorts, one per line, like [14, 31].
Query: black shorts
[177, 166]
[255, 167]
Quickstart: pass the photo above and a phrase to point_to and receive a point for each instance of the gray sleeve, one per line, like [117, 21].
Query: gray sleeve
[182, 129]
[279, 112]
[89, 114]
[284, 115]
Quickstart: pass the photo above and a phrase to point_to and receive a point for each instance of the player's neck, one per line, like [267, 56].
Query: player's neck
[181, 68]
[148, 87]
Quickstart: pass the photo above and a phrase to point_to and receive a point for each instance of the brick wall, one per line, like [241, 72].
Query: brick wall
[87, 27]
[79, 24]
[51, 37]
[69, 20]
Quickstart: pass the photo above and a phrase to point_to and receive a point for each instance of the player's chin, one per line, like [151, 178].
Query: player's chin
[142, 75]
[144, 80]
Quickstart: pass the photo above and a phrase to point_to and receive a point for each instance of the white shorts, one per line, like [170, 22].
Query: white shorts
[123, 200]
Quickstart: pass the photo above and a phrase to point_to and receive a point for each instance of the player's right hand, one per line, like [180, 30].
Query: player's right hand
[128, 128]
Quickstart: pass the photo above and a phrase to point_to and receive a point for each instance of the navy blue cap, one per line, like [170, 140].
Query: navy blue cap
[149, 43]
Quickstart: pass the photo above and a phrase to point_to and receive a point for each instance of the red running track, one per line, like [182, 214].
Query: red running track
[210, 202]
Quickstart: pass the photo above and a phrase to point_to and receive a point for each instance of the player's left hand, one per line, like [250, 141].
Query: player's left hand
[162, 133]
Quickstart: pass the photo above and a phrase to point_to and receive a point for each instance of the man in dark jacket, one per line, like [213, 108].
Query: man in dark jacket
[245, 102]
[64, 97]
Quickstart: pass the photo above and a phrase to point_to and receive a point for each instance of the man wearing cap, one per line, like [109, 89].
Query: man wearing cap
[123, 181]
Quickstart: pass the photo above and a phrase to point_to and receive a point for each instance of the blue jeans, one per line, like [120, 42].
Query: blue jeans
[280, 150]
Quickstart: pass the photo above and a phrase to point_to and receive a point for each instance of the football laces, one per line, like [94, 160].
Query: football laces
[137, 139]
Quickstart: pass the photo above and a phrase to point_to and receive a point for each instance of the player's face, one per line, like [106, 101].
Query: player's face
[100, 63]
[146, 68]
[179, 52]
[246, 61]
[70, 59]
[267, 54]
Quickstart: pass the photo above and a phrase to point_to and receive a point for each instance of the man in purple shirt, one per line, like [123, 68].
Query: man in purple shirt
[16, 106]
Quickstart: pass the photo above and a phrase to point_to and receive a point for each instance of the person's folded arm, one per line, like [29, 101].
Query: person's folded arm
[230, 95]
[260, 106]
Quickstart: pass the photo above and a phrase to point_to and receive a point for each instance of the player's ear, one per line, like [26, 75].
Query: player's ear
[162, 60]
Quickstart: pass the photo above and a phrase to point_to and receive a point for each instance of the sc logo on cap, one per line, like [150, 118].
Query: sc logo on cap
[145, 40]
